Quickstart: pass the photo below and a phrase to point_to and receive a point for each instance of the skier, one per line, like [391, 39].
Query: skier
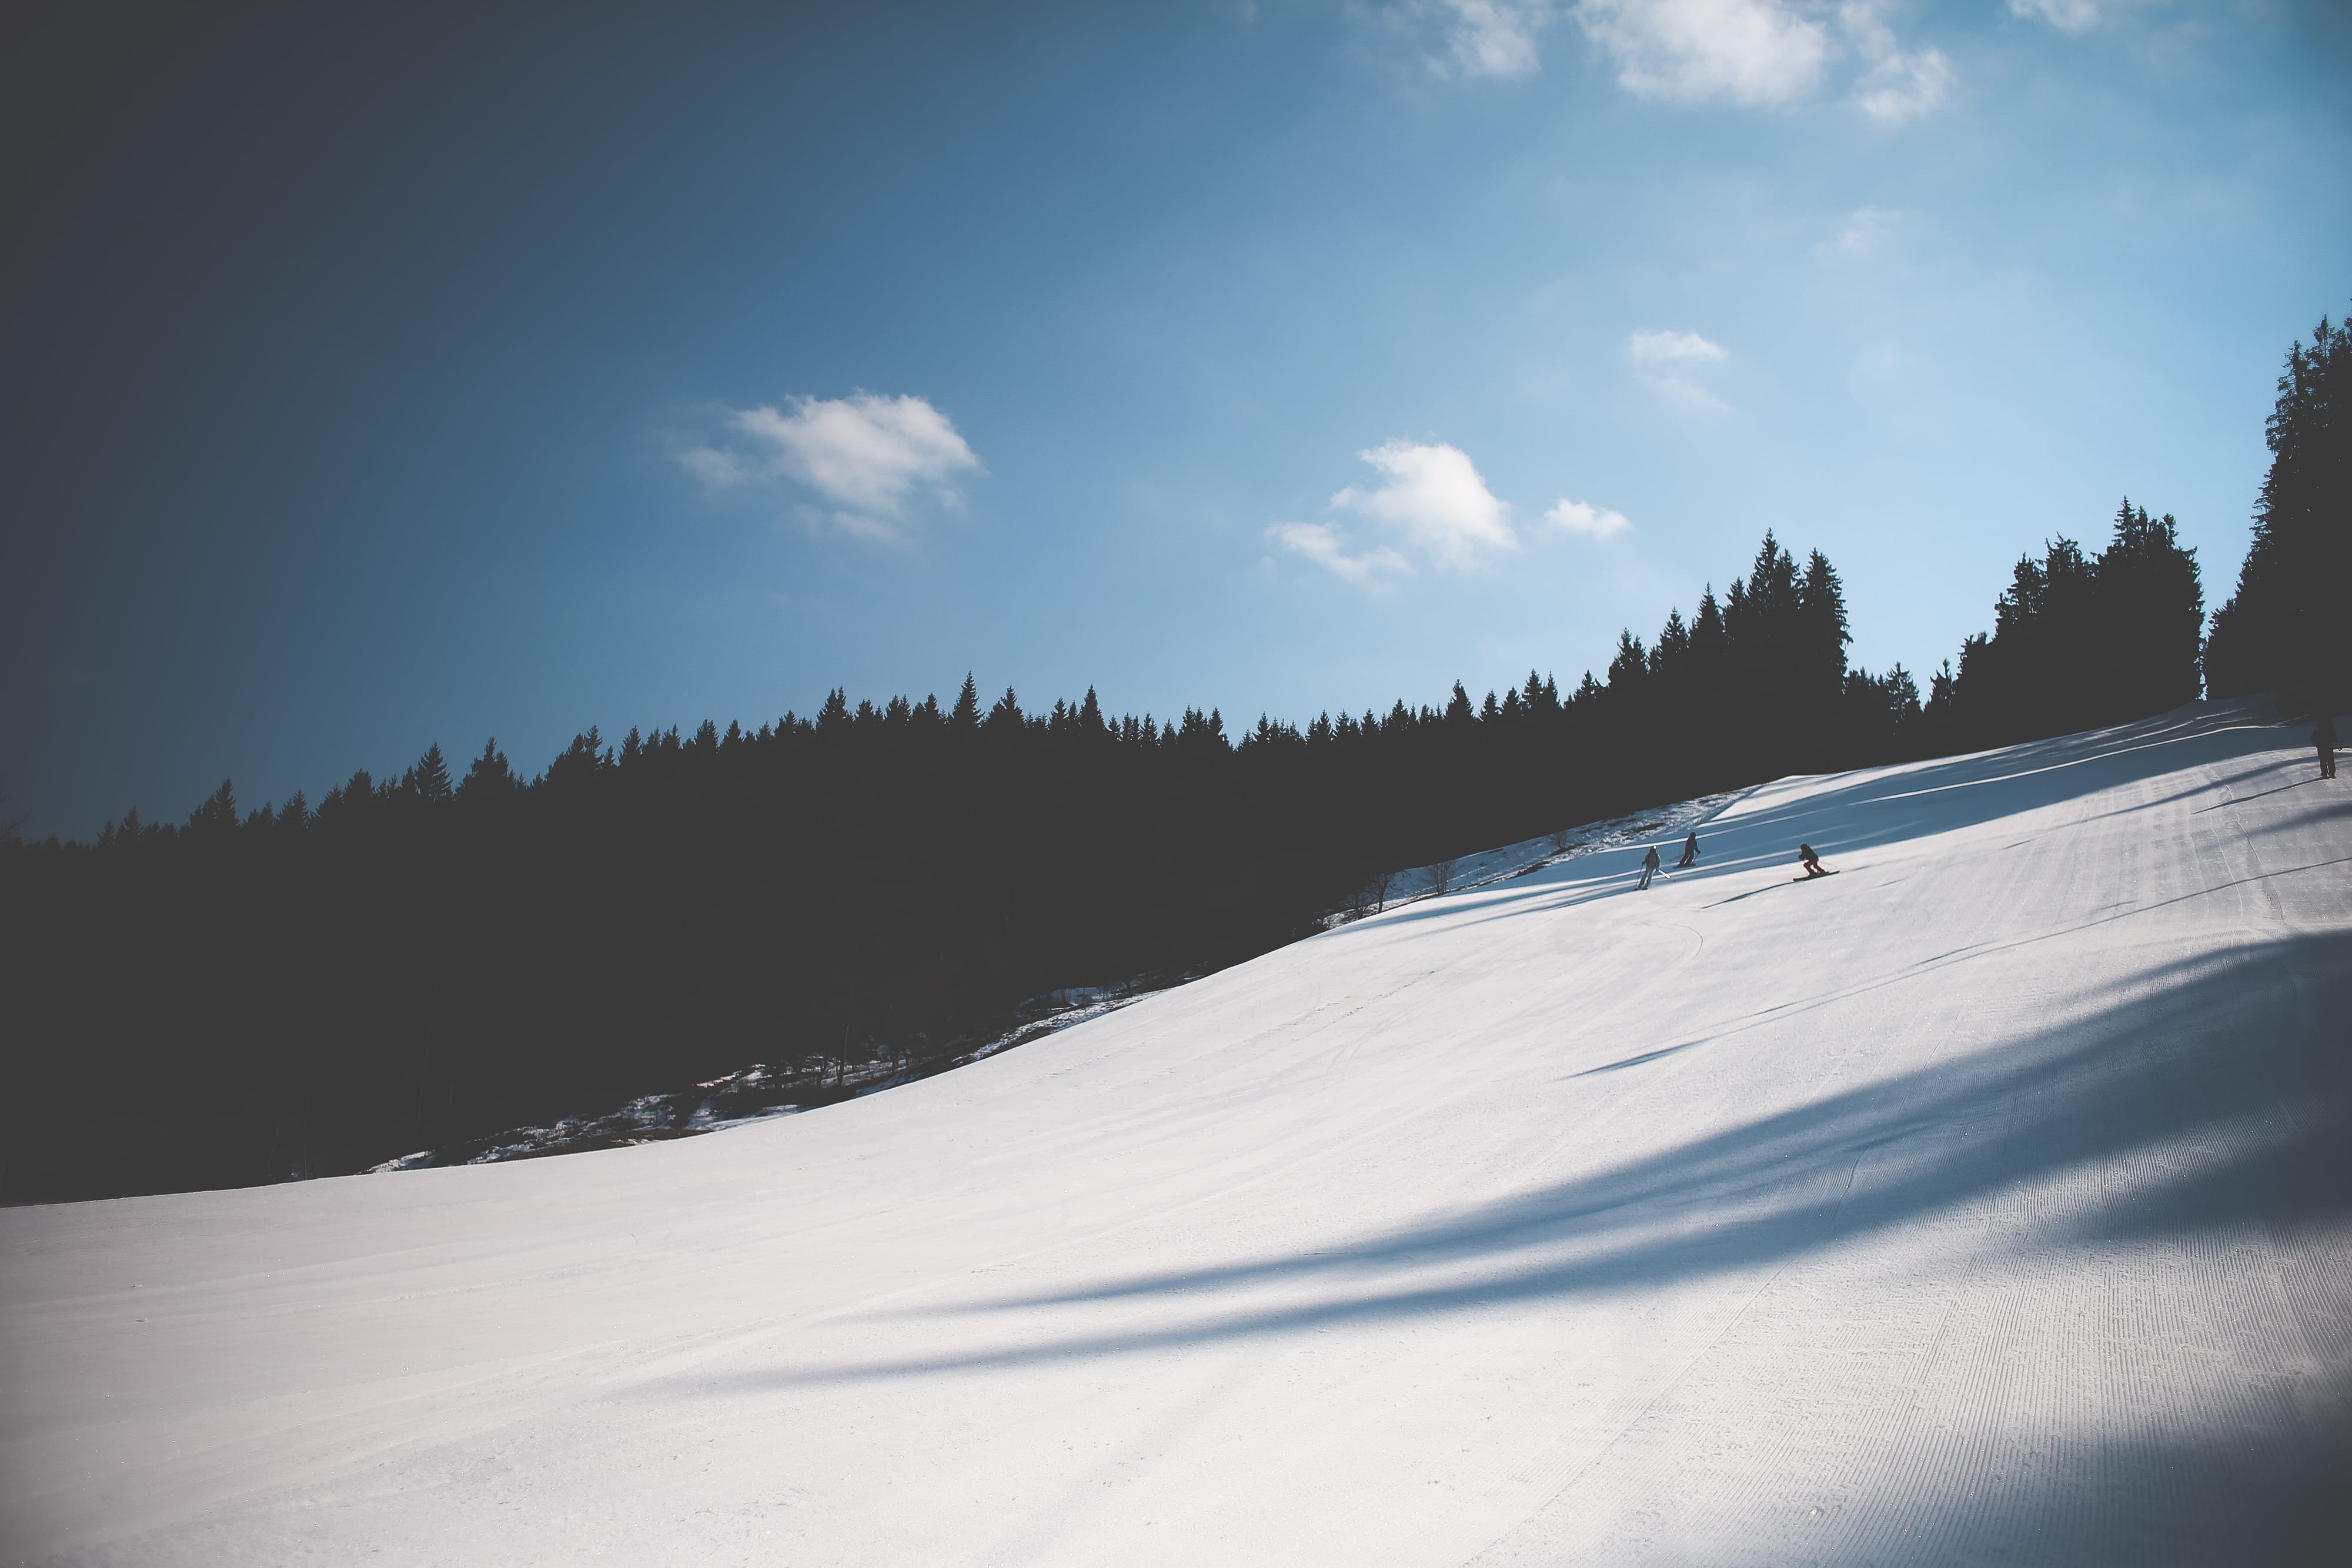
[1649, 867]
[1690, 852]
[2323, 738]
[1813, 862]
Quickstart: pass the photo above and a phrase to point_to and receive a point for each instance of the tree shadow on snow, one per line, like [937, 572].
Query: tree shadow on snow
[2251, 1495]
[2233, 1065]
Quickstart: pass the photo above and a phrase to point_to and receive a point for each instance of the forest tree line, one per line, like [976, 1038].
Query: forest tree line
[426, 957]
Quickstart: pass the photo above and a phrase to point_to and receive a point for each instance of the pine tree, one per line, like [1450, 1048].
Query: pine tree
[1670, 653]
[489, 774]
[965, 717]
[1005, 718]
[1823, 635]
[216, 818]
[2284, 627]
[431, 783]
[2152, 617]
[1629, 670]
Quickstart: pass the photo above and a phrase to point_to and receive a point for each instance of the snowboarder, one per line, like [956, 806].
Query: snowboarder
[1690, 852]
[1649, 868]
[2323, 738]
[1811, 861]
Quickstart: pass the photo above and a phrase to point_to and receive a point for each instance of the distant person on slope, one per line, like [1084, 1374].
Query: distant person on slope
[1811, 861]
[2324, 738]
[1649, 868]
[1690, 852]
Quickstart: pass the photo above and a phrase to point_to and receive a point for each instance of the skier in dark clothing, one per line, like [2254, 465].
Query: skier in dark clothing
[1813, 862]
[2323, 738]
[1690, 852]
[1649, 868]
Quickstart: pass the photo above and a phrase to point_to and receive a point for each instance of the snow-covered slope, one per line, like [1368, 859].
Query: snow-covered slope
[1988, 1203]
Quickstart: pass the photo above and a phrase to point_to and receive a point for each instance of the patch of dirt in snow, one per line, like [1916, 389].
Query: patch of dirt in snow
[760, 1092]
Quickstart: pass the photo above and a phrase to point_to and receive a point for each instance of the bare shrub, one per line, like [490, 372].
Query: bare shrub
[1442, 874]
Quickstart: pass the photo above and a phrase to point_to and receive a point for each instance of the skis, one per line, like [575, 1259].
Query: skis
[1812, 878]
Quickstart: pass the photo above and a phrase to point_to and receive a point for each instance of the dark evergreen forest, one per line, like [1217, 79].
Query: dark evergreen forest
[2285, 627]
[2079, 641]
[429, 957]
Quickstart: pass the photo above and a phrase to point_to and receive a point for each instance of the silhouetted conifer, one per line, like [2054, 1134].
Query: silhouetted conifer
[2284, 628]
[216, 818]
[431, 783]
[965, 718]
[489, 775]
[2152, 617]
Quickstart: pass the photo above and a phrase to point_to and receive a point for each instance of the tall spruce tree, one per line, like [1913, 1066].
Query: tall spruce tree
[965, 717]
[431, 781]
[2284, 628]
[2151, 619]
[1819, 621]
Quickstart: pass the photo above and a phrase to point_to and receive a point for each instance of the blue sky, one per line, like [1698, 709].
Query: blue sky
[371, 381]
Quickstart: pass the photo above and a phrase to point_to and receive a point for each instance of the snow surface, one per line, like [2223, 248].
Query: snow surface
[1531, 855]
[1989, 1203]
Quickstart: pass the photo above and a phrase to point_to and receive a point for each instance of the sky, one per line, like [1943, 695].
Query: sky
[401, 376]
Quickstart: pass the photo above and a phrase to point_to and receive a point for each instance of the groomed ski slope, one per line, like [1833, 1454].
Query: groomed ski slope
[1989, 1203]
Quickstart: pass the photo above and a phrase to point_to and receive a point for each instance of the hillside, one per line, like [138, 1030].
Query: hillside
[1986, 1203]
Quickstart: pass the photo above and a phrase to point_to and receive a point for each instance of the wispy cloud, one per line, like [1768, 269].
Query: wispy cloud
[1650, 346]
[1322, 543]
[1666, 360]
[1437, 506]
[1734, 51]
[1900, 83]
[869, 457]
[1494, 38]
[2066, 15]
[1583, 517]
[1757, 53]
[1865, 232]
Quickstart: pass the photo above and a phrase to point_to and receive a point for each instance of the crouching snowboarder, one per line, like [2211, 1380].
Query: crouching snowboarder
[1812, 861]
[1690, 852]
[1649, 868]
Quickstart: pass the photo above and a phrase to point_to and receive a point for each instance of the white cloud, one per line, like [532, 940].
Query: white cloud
[1321, 543]
[1434, 498]
[1739, 51]
[2066, 15]
[1865, 232]
[1657, 357]
[866, 455]
[1651, 346]
[1904, 86]
[1764, 53]
[1433, 503]
[1495, 37]
[1900, 85]
[1583, 517]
